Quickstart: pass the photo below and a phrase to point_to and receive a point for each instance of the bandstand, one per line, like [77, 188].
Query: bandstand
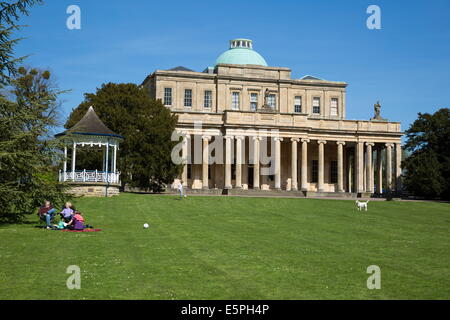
[91, 132]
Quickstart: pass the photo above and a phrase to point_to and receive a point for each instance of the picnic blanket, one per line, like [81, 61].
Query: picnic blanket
[85, 230]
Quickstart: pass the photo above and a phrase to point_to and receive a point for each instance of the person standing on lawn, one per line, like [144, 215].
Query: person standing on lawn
[180, 189]
[46, 212]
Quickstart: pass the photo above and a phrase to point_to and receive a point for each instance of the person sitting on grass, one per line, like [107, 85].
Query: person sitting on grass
[46, 213]
[77, 222]
[67, 212]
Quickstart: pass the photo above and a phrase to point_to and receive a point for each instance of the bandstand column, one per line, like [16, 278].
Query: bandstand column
[321, 165]
[277, 162]
[340, 165]
[228, 162]
[304, 164]
[205, 161]
[65, 162]
[294, 184]
[369, 173]
[389, 166]
[256, 172]
[106, 162]
[74, 155]
[114, 158]
[239, 161]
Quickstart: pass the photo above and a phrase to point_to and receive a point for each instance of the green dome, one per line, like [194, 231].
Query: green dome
[241, 52]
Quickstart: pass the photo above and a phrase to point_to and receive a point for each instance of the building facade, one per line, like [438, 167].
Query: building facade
[276, 132]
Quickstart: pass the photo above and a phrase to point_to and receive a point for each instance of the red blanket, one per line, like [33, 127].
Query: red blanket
[85, 230]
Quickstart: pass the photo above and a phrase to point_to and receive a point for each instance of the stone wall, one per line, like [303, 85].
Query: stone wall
[92, 190]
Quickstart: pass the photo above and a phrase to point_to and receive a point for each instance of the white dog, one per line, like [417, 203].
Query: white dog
[362, 205]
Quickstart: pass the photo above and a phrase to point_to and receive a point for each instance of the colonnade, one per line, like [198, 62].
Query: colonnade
[363, 169]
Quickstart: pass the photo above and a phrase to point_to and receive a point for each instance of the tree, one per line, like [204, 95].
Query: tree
[427, 169]
[27, 155]
[27, 110]
[9, 13]
[147, 125]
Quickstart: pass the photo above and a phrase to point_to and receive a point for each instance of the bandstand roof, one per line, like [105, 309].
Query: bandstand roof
[90, 124]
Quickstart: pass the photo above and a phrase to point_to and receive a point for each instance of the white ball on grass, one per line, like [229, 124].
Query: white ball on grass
[146, 225]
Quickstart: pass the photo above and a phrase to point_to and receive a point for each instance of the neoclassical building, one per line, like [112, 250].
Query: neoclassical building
[256, 112]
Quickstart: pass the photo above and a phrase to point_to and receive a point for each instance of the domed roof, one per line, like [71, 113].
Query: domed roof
[241, 52]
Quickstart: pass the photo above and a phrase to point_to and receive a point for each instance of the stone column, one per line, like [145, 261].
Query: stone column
[294, 183]
[239, 161]
[340, 166]
[369, 175]
[359, 170]
[277, 162]
[389, 166]
[228, 141]
[304, 164]
[398, 167]
[205, 161]
[184, 155]
[321, 165]
[379, 170]
[256, 162]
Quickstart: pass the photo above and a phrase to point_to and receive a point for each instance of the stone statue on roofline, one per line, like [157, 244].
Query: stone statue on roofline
[377, 113]
[266, 106]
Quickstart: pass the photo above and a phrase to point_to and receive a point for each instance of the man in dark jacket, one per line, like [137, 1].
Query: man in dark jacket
[46, 212]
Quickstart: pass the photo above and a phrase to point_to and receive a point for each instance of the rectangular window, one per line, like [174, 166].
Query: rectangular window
[316, 106]
[253, 101]
[235, 101]
[333, 171]
[315, 171]
[208, 99]
[188, 98]
[334, 107]
[271, 101]
[167, 96]
[298, 104]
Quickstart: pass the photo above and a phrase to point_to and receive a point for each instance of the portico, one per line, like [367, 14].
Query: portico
[328, 164]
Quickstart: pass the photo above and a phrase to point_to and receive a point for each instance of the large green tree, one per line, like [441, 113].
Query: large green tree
[427, 169]
[28, 155]
[147, 125]
[28, 105]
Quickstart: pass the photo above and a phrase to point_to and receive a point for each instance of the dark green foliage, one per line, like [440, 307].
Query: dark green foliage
[28, 106]
[427, 169]
[145, 154]
[9, 14]
[27, 156]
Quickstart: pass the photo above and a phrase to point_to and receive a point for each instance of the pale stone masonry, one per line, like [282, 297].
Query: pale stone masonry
[316, 148]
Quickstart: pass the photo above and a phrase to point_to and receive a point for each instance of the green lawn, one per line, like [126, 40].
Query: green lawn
[233, 248]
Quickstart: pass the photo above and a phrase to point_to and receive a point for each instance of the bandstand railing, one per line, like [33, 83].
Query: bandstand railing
[93, 176]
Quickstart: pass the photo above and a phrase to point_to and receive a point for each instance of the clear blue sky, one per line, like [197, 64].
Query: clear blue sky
[405, 65]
